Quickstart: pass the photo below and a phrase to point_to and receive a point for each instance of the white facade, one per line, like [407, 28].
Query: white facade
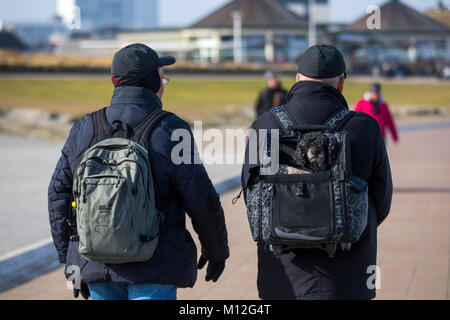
[217, 45]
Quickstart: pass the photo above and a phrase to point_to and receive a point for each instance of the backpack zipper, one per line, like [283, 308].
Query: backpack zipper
[98, 159]
[344, 200]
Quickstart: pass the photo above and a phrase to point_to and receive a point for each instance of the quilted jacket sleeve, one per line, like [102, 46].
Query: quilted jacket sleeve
[60, 188]
[196, 194]
[59, 195]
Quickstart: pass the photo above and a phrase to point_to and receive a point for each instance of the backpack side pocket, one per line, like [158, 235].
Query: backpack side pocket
[254, 203]
[357, 207]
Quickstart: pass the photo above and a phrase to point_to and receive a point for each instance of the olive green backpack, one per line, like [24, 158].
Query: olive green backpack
[113, 194]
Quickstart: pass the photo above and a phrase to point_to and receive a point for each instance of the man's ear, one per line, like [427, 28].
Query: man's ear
[160, 92]
[340, 88]
[297, 78]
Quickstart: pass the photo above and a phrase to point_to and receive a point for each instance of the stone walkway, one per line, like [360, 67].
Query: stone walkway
[414, 242]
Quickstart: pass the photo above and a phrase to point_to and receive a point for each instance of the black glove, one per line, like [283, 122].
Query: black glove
[214, 269]
[84, 290]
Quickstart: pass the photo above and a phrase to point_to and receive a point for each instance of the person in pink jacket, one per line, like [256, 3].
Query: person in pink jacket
[374, 105]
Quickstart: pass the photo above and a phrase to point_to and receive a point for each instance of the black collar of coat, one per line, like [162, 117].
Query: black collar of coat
[135, 96]
[314, 90]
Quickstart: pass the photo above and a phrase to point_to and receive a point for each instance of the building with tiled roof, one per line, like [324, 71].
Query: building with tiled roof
[255, 14]
[401, 36]
[246, 31]
[398, 17]
[441, 14]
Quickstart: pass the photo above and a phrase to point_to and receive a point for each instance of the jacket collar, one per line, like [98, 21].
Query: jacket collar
[313, 90]
[136, 96]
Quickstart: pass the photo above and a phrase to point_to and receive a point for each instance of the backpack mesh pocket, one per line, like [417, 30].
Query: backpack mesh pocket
[303, 210]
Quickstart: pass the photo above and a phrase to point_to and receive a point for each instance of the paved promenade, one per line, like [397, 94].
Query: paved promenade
[414, 242]
[25, 169]
[26, 166]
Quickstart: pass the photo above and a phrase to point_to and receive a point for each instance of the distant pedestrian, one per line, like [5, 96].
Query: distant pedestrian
[272, 96]
[374, 105]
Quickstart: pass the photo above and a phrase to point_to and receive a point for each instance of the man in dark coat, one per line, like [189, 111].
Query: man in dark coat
[139, 85]
[272, 96]
[310, 273]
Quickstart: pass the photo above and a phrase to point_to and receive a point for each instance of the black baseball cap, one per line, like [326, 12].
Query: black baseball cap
[137, 65]
[322, 62]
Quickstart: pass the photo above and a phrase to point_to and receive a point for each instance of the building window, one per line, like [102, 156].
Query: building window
[253, 48]
[288, 48]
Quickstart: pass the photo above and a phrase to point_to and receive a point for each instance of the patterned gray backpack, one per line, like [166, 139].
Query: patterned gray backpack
[313, 200]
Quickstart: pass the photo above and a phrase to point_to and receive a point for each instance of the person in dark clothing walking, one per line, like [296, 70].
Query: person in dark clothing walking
[310, 273]
[272, 96]
[179, 188]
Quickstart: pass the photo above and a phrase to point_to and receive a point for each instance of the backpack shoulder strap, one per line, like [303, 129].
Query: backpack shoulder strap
[102, 128]
[143, 130]
[337, 120]
[284, 119]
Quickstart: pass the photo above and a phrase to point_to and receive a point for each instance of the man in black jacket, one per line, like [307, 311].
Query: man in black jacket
[272, 96]
[139, 85]
[310, 273]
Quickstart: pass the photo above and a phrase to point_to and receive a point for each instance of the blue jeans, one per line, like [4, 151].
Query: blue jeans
[115, 291]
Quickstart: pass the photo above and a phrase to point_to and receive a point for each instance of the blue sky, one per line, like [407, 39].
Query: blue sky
[184, 12]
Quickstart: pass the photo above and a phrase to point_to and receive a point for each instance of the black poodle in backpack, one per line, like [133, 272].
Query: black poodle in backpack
[315, 152]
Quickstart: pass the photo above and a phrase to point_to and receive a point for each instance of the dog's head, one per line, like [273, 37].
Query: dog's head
[316, 152]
